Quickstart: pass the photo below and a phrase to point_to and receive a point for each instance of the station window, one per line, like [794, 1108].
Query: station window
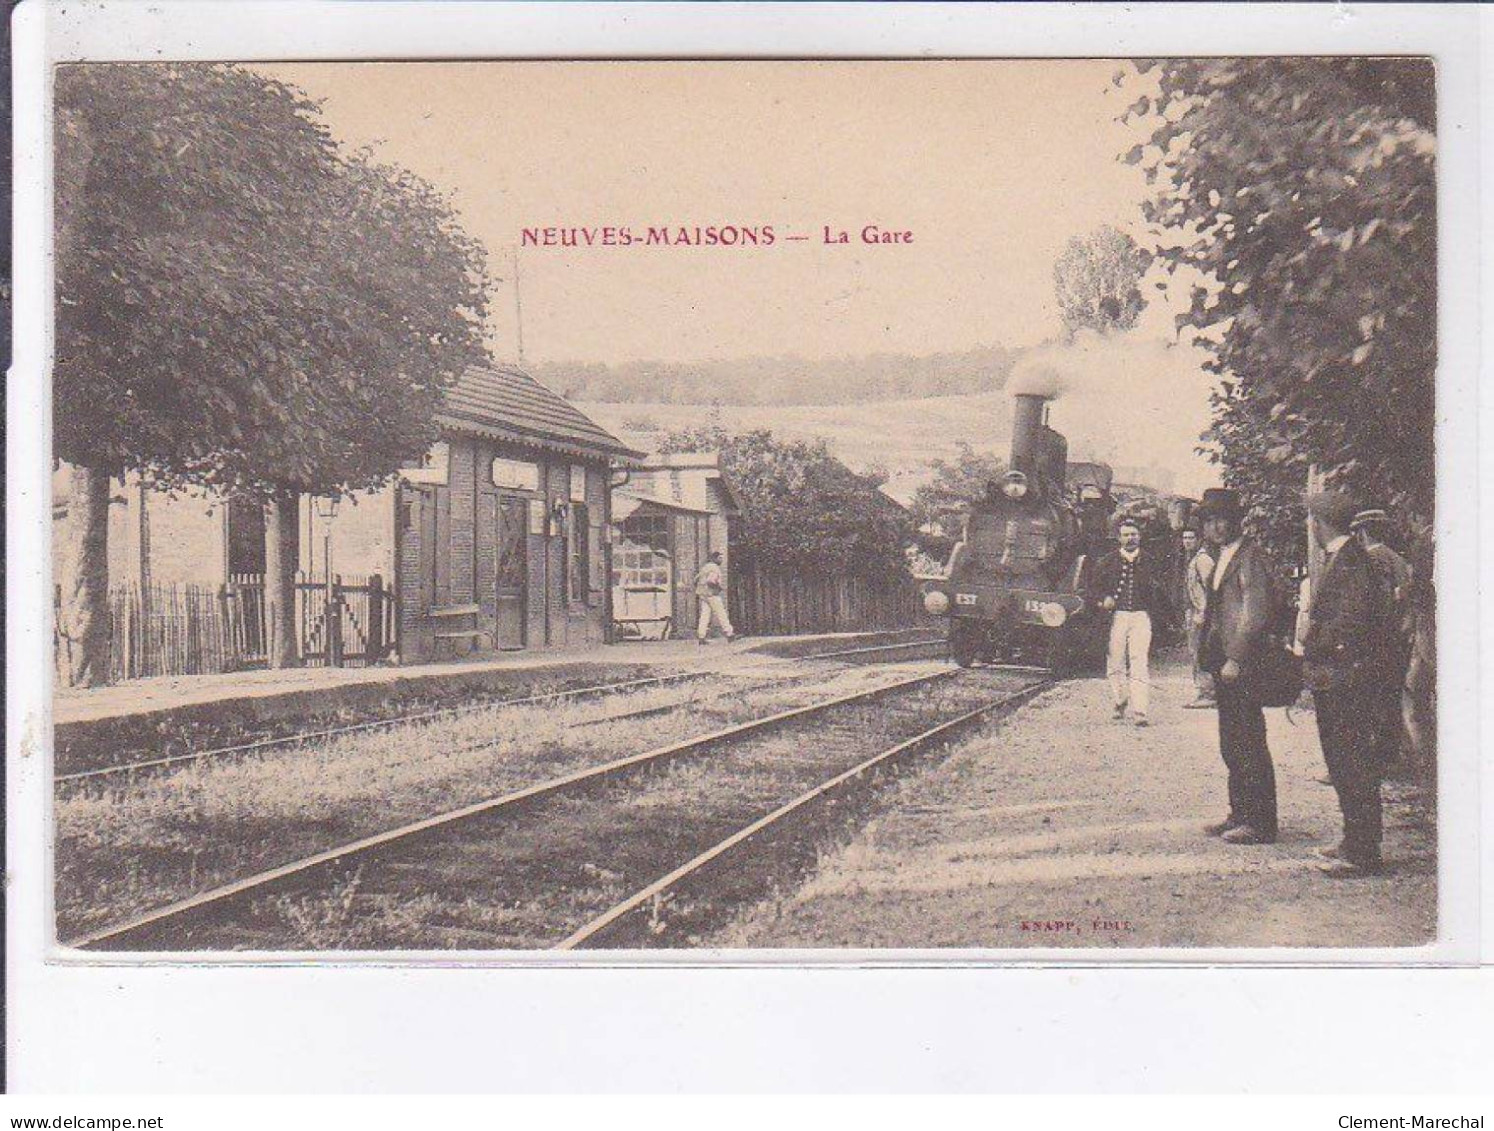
[578, 553]
[636, 566]
[578, 483]
[650, 530]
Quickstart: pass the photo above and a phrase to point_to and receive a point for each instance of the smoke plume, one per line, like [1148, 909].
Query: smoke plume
[1133, 399]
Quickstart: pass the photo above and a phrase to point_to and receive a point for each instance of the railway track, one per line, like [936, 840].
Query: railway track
[635, 921]
[425, 718]
[452, 853]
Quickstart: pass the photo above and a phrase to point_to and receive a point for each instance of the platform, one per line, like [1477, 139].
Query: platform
[137, 707]
[1063, 828]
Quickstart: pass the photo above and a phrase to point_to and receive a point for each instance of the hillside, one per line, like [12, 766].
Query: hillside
[902, 437]
[785, 380]
[899, 436]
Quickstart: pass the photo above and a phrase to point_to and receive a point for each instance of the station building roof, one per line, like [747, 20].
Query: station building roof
[504, 403]
[685, 480]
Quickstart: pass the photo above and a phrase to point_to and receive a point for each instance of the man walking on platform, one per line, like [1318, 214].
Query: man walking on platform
[1234, 632]
[1198, 567]
[710, 588]
[1349, 660]
[1131, 585]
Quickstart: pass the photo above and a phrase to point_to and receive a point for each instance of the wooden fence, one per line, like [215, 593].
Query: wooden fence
[773, 604]
[200, 629]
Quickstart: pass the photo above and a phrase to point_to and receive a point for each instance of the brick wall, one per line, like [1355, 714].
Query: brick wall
[462, 529]
[186, 534]
[450, 551]
[486, 548]
[688, 535]
[412, 590]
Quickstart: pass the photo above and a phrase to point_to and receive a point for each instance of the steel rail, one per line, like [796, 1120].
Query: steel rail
[261, 745]
[528, 794]
[665, 708]
[602, 923]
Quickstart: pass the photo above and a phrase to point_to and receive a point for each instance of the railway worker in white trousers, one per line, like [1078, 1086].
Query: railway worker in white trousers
[1130, 585]
[1127, 663]
[710, 588]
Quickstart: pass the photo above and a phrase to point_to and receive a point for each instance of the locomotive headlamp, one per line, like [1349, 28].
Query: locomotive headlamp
[1015, 485]
[936, 602]
[1053, 614]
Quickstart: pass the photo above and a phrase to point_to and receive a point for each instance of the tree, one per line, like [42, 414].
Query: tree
[1303, 190]
[1097, 281]
[803, 511]
[241, 305]
[940, 506]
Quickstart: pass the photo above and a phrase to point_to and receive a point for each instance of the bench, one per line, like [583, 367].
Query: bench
[643, 612]
[450, 612]
[645, 628]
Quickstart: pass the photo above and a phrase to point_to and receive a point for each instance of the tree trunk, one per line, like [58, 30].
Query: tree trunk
[282, 556]
[83, 574]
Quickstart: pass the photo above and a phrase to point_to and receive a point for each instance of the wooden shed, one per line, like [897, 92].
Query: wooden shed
[500, 539]
[672, 511]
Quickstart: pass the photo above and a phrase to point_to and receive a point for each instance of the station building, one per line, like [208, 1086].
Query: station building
[498, 540]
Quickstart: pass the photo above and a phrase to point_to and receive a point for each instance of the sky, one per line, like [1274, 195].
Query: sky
[990, 165]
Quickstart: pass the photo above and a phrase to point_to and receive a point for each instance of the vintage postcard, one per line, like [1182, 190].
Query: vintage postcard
[938, 507]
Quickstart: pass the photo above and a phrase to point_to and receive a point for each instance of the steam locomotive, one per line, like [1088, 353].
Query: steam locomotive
[1015, 585]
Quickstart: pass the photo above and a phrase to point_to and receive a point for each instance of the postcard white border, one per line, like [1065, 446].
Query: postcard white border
[67, 1007]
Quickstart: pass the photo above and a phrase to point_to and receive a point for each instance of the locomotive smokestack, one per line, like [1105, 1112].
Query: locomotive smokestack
[1027, 428]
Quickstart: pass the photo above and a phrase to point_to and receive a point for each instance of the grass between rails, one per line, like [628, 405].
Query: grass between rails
[526, 880]
[125, 848]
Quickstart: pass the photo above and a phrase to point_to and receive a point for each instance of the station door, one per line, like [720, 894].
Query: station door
[512, 572]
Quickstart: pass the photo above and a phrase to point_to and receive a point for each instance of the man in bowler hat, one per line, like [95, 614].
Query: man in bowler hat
[1349, 661]
[1236, 620]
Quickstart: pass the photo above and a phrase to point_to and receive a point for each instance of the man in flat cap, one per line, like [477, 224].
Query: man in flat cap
[1236, 620]
[1348, 660]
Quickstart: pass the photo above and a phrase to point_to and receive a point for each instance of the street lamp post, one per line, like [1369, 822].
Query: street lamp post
[326, 509]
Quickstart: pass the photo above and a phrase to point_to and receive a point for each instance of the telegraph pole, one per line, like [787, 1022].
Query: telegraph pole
[518, 308]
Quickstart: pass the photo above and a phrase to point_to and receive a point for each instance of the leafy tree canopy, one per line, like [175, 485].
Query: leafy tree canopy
[803, 510]
[1304, 191]
[940, 506]
[240, 304]
[1097, 281]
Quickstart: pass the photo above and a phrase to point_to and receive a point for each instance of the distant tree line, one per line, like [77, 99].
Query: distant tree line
[785, 380]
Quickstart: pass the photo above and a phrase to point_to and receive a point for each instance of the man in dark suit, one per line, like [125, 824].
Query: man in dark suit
[1349, 660]
[1236, 619]
[1369, 526]
[1130, 583]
